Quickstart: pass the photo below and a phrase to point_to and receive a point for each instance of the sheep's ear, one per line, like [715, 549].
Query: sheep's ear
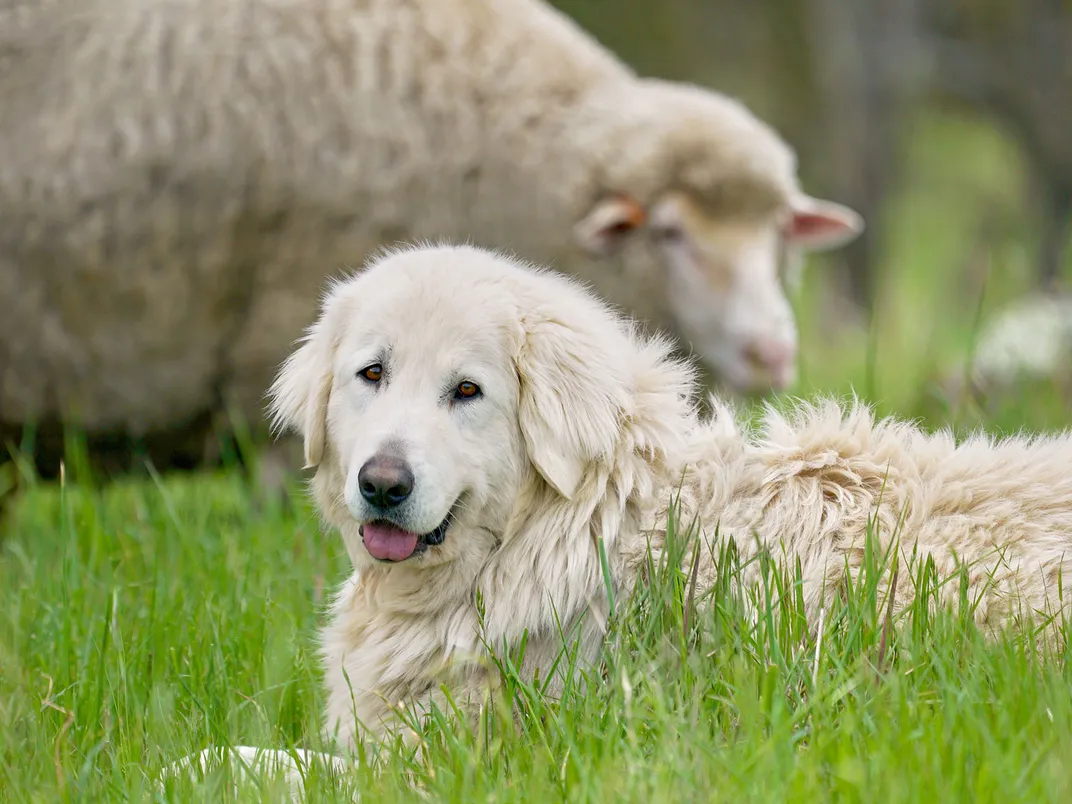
[818, 225]
[602, 231]
[571, 403]
[299, 396]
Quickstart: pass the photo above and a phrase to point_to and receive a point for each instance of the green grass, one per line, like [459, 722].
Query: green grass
[143, 622]
[149, 618]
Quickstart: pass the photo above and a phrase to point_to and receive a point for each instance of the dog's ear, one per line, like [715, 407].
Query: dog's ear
[299, 396]
[571, 403]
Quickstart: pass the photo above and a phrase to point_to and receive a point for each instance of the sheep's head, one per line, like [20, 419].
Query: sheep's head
[697, 189]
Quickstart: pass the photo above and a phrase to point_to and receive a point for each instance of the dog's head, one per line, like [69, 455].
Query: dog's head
[439, 381]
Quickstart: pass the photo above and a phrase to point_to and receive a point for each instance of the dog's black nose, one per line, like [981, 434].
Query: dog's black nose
[385, 481]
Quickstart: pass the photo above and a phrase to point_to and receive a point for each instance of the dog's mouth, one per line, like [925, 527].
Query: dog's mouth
[385, 541]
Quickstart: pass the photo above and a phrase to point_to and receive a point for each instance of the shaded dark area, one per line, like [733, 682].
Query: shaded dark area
[182, 446]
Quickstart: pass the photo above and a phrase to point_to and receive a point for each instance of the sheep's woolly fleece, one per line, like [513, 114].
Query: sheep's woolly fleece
[583, 432]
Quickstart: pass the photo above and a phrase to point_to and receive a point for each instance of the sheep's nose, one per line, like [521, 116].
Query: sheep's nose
[385, 482]
[772, 358]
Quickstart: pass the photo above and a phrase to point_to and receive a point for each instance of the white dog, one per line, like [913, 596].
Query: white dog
[479, 425]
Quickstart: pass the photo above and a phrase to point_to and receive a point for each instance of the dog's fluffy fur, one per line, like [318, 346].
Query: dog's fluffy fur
[584, 433]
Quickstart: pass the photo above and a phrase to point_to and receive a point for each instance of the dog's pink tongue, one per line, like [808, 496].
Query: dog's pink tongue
[388, 542]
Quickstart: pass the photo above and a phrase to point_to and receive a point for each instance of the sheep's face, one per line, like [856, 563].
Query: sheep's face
[726, 275]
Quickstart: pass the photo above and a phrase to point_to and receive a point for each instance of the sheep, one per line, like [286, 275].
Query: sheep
[178, 178]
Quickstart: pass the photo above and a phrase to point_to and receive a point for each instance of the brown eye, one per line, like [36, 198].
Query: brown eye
[467, 390]
[373, 373]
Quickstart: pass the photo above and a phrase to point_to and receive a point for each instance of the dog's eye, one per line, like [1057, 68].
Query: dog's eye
[466, 390]
[373, 373]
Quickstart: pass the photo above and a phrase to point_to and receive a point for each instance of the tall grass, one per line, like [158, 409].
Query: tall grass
[143, 622]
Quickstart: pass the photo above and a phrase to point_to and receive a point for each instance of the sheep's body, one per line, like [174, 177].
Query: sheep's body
[166, 233]
[177, 178]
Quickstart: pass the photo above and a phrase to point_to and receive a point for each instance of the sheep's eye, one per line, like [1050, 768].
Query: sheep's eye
[668, 234]
[373, 373]
[467, 390]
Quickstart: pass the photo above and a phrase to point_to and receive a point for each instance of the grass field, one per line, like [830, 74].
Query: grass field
[149, 618]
